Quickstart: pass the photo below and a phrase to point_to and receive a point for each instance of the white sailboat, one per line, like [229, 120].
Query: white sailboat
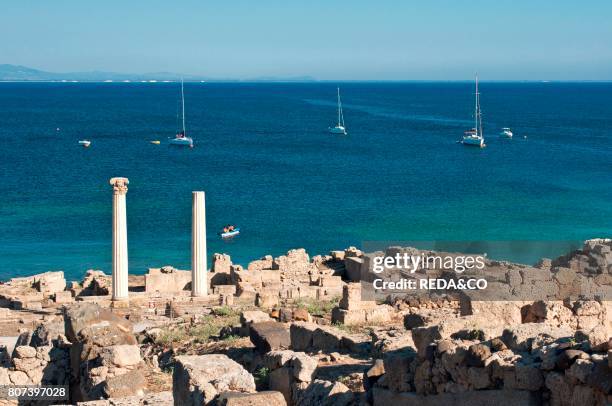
[181, 138]
[339, 128]
[475, 136]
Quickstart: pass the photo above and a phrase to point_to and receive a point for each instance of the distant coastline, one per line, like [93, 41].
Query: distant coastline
[22, 74]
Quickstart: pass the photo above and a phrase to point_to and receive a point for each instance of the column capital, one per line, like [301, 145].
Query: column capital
[119, 185]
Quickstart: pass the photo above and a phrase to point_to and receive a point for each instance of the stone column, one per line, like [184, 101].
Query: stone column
[199, 279]
[120, 253]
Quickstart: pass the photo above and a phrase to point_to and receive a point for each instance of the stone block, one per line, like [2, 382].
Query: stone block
[132, 383]
[353, 268]
[198, 379]
[167, 280]
[248, 317]
[301, 335]
[63, 297]
[269, 335]
[327, 339]
[122, 355]
[265, 398]
[348, 317]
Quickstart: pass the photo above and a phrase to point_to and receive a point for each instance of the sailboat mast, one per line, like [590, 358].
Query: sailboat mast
[183, 104]
[339, 108]
[476, 108]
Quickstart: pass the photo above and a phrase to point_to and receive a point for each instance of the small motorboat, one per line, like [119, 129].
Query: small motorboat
[85, 143]
[506, 132]
[229, 233]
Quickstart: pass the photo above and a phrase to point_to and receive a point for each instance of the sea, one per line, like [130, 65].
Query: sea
[268, 164]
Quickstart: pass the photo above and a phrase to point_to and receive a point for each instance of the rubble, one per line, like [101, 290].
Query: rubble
[299, 330]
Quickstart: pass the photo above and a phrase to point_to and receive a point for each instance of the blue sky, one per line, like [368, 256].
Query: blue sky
[334, 40]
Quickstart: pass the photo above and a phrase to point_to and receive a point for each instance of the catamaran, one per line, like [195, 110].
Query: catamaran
[475, 136]
[339, 128]
[181, 138]
[506, 132]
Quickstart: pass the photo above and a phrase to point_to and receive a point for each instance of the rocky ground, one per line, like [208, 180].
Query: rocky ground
[295, 330]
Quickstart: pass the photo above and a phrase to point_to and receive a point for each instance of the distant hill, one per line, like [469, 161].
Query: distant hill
[15, 73]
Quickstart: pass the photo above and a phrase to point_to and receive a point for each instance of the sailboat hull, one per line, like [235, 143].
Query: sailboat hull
[338, 130]
[473, 141]
[187, 141]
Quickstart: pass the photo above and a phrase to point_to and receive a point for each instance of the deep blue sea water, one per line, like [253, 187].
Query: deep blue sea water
[266, 162]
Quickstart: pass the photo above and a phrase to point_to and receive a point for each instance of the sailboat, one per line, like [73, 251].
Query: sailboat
[339, 128]
[181, 138]
[475, 136]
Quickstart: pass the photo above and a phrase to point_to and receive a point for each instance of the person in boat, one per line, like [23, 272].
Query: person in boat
[180, 135]
[225, 229]
[231, 228]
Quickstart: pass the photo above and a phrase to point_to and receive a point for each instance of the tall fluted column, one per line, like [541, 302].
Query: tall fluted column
[120, 252]
[199, 280]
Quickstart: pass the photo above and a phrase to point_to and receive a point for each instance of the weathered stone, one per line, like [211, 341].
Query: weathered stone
[325, 393]
[18, 378]
[377, 369]
[524, 377]
[122, 355]
[353, 268]
[198, 379]
[384, 397]
[266, 398]
[88, 314]
[600, 377]
[248, 317]
[269, 335]
[476, 355]
[280, 380]
[302, 335]
[414, 320]
[301, 314]
[25, 351]
[567, 357]
[167, 279]
[132, 383]
[327, 339]
[521, 337]
[580, 370]
[398, 373]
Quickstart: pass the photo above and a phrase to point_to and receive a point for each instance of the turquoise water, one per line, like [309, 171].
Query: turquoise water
[266, 162]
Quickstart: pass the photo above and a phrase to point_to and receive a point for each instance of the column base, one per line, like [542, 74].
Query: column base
[120, 303]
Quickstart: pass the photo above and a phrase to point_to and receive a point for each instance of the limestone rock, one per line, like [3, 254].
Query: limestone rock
[198, 379]
[122, 355]
[25, 351]
[266, 398]
[269, 335]
[522, 336]
[301, 335]
[131, 383]
[248, 317]
[325, 393]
